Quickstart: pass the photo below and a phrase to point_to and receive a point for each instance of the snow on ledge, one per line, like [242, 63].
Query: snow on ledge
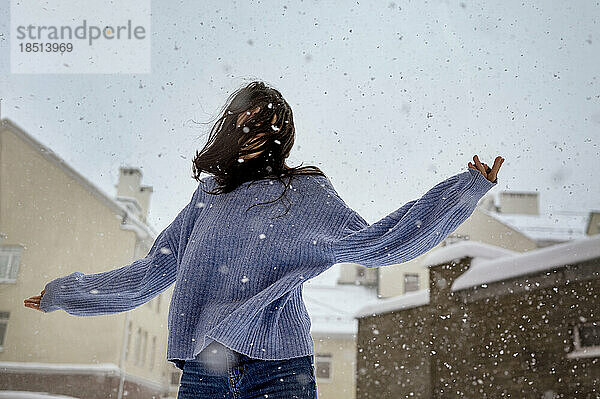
[474, 249]
[584, 353]
[59, 368]
[32, 395]
[406, 301]
[535, 261]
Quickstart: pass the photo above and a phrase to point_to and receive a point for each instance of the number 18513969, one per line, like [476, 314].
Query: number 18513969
[46, 47]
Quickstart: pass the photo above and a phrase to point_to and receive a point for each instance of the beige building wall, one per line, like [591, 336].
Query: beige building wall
[63, 224]
[341, 349]
[347, 273]
[524, 203]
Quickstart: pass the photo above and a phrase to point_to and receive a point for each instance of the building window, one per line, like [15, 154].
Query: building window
[158, 304]
[138, 346]
[323, 366]
[152, 352]
[10, 257]
[411, 282]
[144, 348]
[129, 333]
[586, 340]
[366, 276]
[454, 238]
[175, 375]
[3, 327]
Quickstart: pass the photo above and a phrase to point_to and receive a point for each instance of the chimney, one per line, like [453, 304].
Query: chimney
[523, 203]
[131, 194]
[593, 226]
[441, 278]
[450, 319]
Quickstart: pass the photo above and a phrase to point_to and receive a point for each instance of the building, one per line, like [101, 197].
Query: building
[331, 307]
[334, 296]
[53, 221]
[493, 323]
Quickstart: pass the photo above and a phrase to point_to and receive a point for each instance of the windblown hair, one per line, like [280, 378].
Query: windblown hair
[255, 149]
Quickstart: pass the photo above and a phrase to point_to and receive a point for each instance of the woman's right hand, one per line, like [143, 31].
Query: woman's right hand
[34, 301]
[490, 173]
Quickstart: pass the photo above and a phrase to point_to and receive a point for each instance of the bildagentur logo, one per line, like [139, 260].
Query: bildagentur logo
[65, 36]
[84, 31]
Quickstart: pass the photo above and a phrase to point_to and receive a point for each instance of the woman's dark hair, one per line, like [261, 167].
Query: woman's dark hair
[256, 148]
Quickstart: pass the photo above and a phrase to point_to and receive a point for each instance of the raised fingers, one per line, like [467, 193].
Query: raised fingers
[34, 299]
[497, 163]
[479, 165]
[33, 304]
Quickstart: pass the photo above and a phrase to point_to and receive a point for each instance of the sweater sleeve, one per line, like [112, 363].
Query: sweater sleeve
[127, 287]
[414, 228]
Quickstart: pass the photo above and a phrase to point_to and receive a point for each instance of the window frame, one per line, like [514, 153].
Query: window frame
[405, 275]
[15, 254]
[583, 351]
[324, 358]
[4, 319]
[137, 347]
[144, 348]
[152, 352]
[128, 344]
[366, 276]
[454, 238]
[173, 374]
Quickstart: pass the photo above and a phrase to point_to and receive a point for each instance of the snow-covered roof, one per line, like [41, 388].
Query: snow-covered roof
[547, 258]
[331, 306]
[490, 264]
[408, 300]
[461, 249]
[555, 226]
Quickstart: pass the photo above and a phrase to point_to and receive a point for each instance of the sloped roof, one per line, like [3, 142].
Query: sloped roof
[555, 226]
[490, 264]
[143, 230]
[406, 301]
[535, 261]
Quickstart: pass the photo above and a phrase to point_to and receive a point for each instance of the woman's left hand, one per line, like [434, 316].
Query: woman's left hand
[490, 173]
[34, 301]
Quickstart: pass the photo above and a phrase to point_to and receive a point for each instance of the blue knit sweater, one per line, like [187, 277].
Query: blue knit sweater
[238, 274]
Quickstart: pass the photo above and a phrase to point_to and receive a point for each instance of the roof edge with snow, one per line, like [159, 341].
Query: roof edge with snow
[531, 262]
[406, 301]
[490, 264]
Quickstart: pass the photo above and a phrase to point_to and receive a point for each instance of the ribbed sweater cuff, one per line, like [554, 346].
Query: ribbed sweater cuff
[49, 302]
[478, 186]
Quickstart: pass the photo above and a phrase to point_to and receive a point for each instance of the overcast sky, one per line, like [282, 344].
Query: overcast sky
[389, 98]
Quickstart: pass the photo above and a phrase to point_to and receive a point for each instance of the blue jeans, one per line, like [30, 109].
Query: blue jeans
[219, 372]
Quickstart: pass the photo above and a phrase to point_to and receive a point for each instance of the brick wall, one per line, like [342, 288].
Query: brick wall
[509, 339]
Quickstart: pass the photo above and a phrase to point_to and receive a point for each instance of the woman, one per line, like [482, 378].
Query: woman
[252, 233]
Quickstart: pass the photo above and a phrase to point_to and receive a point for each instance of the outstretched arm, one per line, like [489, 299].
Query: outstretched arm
[416, 227]
[130, 286]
